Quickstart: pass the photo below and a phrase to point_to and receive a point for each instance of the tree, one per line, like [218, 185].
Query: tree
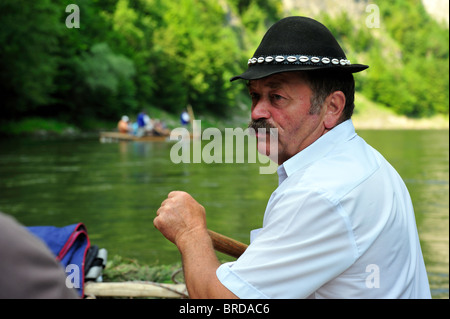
[28, 55]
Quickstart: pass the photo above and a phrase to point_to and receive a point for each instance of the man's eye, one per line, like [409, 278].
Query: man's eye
[254, 96]
[277, 97]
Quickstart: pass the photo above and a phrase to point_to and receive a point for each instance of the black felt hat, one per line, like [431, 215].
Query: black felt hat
[297, 44]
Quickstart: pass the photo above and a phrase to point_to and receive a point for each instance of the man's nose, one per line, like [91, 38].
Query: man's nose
[261, 110]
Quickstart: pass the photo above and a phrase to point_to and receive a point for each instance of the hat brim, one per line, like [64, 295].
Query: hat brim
[258, 72]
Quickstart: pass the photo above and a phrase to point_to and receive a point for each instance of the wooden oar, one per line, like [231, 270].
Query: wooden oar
[227, 245]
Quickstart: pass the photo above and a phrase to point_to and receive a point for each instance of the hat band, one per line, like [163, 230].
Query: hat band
[297, 59]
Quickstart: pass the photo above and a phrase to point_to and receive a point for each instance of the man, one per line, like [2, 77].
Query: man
[145, 124]
[185, 118]
[124, 125]
[341, 223]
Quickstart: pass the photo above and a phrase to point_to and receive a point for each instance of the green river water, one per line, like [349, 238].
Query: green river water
[116, 188]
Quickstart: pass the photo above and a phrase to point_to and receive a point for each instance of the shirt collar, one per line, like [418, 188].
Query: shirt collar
[341, 133]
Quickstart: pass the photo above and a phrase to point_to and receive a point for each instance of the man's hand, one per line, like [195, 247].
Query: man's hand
[182, 220]
[179, 217]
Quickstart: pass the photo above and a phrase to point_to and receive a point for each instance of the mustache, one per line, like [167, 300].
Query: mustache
[260, 123]
[263, 124]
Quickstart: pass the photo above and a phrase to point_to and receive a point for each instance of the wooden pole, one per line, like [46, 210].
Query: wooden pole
[221, 243]
[227, 245]
[134, 289]
[191, 114]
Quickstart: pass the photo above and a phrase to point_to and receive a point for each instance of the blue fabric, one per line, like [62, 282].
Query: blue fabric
[140, 119]
[69, 244]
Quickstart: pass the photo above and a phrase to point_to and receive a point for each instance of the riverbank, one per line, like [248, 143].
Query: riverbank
[367, 115]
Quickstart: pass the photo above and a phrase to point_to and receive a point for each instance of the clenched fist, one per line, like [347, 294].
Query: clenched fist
[180, 218]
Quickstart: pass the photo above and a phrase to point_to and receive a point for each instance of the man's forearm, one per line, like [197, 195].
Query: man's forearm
[200, 264]
[182, 220]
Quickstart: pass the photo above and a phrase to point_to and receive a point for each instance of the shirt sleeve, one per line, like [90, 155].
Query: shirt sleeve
[306, 241]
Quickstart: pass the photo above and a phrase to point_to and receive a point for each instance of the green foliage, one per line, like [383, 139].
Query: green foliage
[271, 8]
[197, 53]
[424, 75]
[107, 79]
[408, 58]
[28, 55]
[121, 269]
[32, 125]
[133, 54]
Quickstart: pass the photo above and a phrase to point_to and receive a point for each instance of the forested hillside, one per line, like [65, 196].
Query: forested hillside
[128, 55]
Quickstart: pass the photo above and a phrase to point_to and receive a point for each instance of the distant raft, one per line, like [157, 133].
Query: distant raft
[106, 137]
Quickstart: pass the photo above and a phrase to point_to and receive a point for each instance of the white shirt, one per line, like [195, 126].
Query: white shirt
[340, 225]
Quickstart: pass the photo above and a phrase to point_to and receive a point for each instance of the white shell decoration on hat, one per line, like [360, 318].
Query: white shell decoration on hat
[297, 59]
[291, 58]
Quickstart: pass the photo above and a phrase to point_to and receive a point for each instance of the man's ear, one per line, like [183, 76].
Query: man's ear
[335, 104]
